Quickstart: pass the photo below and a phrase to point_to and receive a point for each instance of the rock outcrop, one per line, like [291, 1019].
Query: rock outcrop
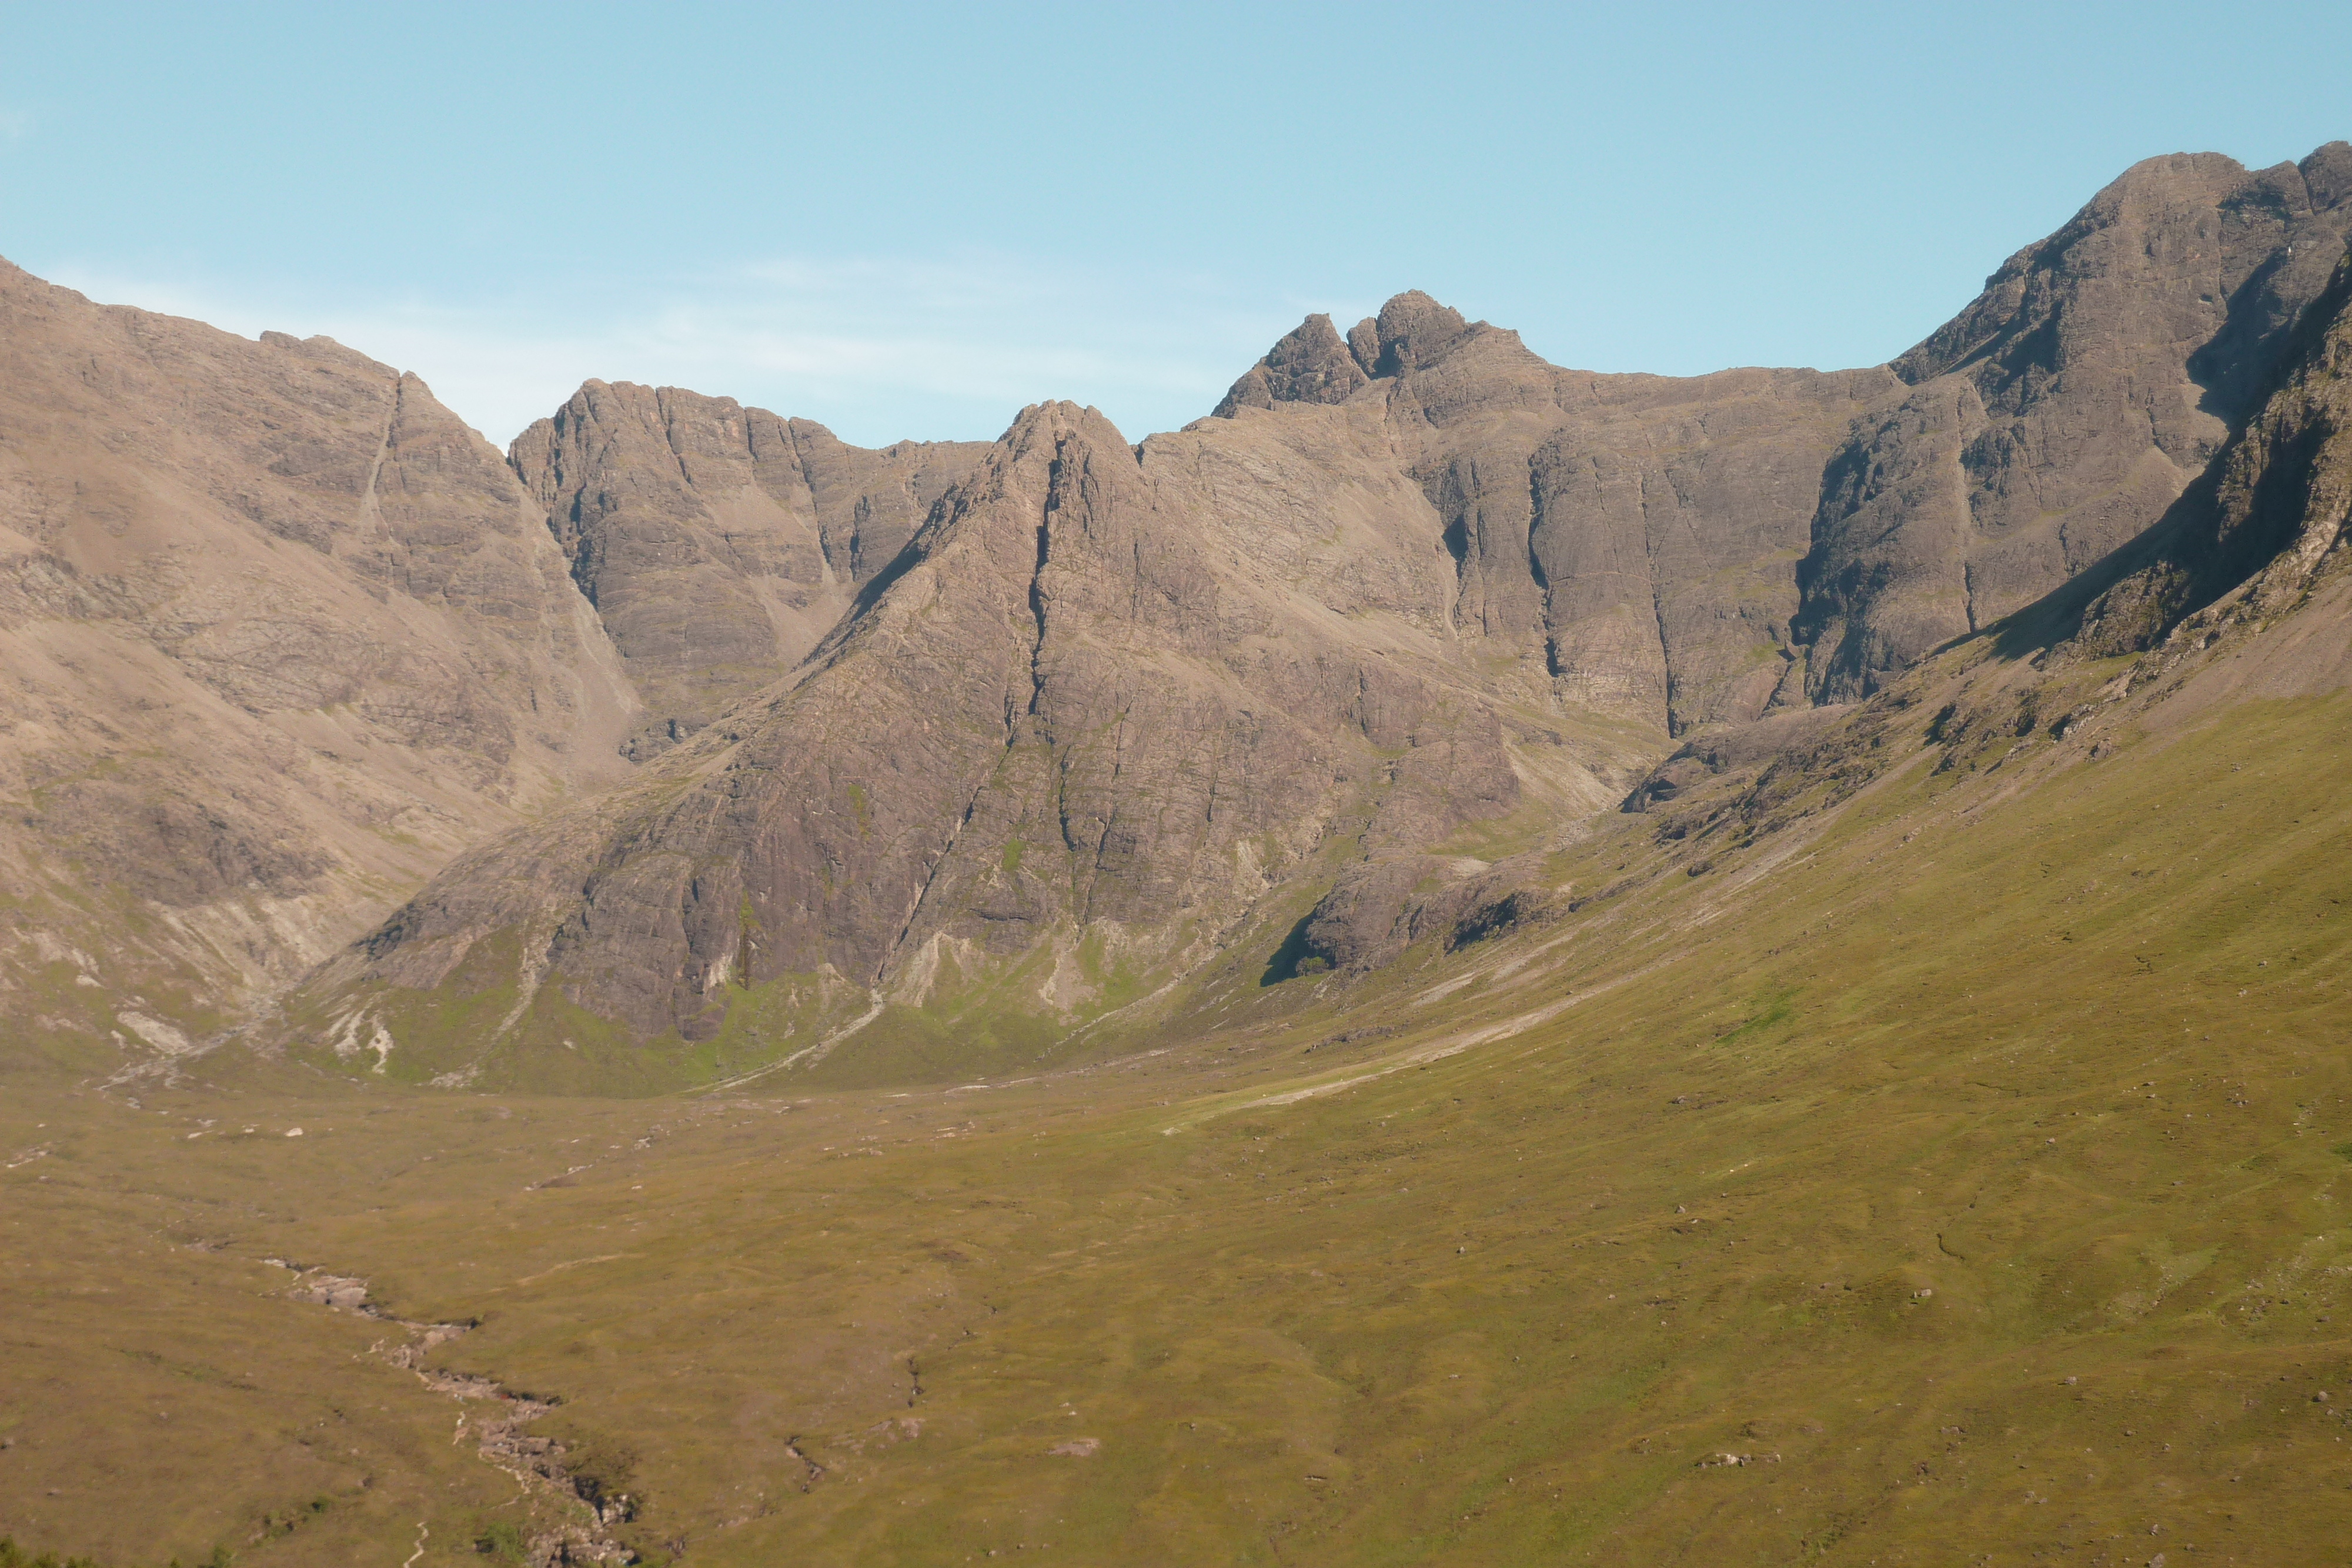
[2060, 415]
[718, 542]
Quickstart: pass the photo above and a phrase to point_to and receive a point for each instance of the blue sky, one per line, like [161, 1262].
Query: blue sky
[910, 220]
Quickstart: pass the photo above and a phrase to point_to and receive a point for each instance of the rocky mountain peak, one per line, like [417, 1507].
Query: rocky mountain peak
[2202, 216]
[2328, 175]
[1412, 330]
[2062, 413]
[1311, 363]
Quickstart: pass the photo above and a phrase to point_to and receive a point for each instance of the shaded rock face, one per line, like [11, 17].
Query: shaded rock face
[282, 636]
[2267, 513]
[2283, 489]
[717, 543]
[2060, 415]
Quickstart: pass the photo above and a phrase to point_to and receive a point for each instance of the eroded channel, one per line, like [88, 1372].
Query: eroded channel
[499, 1419]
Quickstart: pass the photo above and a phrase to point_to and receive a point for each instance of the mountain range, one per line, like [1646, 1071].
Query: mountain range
[720, 738]
[1460, 961]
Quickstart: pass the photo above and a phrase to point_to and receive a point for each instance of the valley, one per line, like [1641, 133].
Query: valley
[1460, 962]
[1766, 1212]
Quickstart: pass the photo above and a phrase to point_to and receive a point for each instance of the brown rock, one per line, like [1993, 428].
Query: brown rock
[282, 634]
[2060, 415]
[2266, 515]
[1309, 365]
[719, 542]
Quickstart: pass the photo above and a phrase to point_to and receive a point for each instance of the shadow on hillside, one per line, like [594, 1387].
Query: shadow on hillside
[1284, 965]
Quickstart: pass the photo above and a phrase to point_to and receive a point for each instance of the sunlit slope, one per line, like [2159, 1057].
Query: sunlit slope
[1841, 1156]
[159, 1396]
[1848, 1185]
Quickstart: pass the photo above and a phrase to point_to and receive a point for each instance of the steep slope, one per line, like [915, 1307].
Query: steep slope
[283, 635]
[2057, 417]
[717, 543]
[1111, 696]
[2266, 515]
[1406, 607]
[1625, 543]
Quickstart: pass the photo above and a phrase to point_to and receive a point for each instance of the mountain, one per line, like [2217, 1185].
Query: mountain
[286, 636]
[282, 636]
[1276, 1074]
[1113, 699]
[2058, 417]
[717, 543]
[1920, 1120]
[1329, 663]
[2241, 592]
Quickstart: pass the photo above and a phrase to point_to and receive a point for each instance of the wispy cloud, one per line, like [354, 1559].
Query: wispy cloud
[877, 348]
[15, 125]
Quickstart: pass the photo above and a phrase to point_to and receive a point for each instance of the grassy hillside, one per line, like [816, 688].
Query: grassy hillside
[1932, 1154]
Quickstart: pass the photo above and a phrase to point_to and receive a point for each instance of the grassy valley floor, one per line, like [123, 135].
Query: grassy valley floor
[1957, 1176]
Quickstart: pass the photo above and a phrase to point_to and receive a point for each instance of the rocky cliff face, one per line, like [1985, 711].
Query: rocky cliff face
[993, 740]
[2059, 416]
[1623, 543]
[2265, 517]
[1109, 701]
[717, 543]
[1409, 601]
[282, 636]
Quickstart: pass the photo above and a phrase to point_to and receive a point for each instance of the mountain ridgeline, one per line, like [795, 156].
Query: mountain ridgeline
[778, 753]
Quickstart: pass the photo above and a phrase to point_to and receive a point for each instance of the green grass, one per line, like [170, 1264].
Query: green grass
[1966, 1157]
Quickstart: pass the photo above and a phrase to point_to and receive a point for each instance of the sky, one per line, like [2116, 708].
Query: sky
[912, 220]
